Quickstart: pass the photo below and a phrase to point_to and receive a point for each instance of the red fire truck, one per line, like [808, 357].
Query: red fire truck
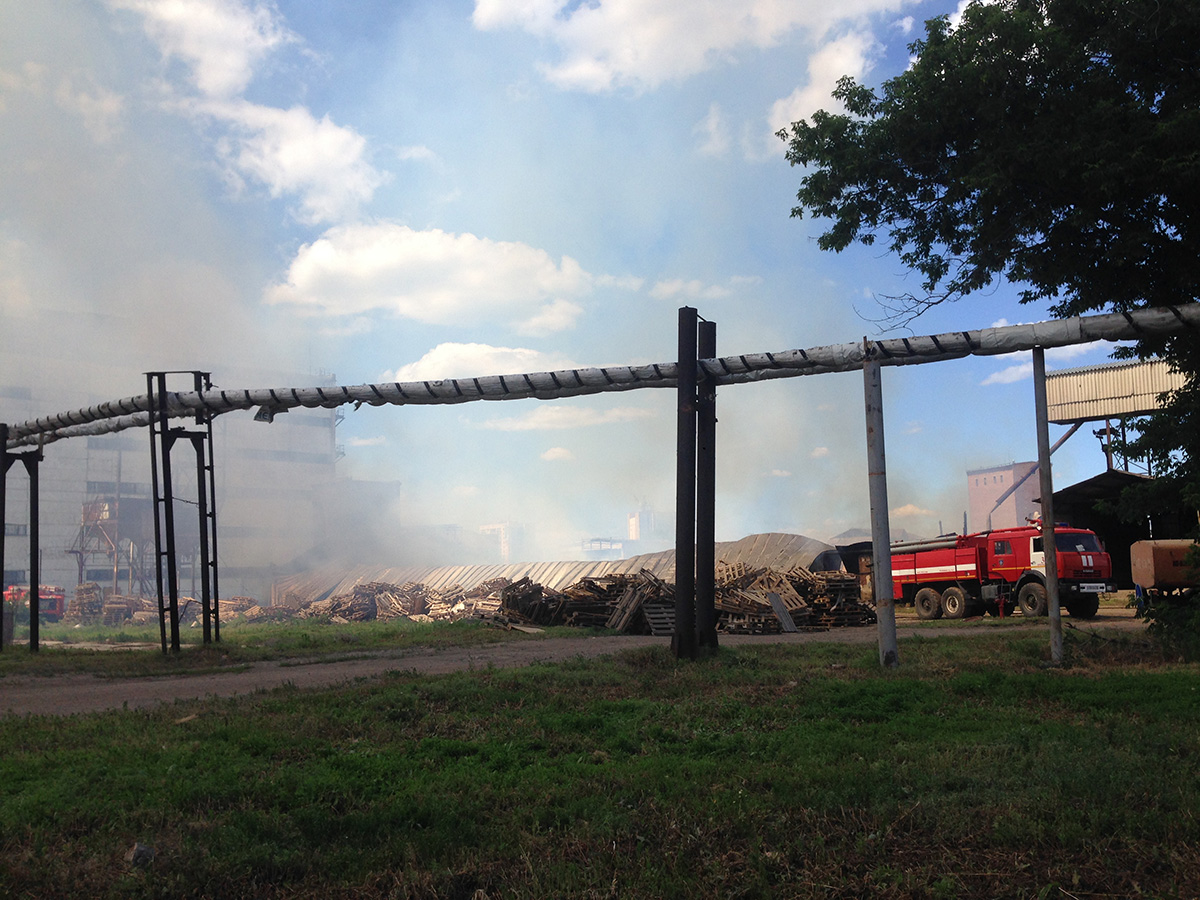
[993, 571]
[52, 601]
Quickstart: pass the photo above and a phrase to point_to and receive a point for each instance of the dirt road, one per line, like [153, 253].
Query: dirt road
[70, 694]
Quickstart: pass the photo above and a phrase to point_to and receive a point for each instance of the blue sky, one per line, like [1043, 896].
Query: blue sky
[394, 190]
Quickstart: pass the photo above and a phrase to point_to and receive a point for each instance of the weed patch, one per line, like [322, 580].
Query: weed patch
[797, 771]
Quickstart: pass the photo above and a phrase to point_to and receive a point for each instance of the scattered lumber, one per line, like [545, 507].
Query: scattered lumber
[748, 601]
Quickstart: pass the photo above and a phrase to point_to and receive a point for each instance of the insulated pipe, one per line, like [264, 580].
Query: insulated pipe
[932, 544]
[130, 412]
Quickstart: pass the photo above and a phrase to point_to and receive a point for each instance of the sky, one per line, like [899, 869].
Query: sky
[281, 193]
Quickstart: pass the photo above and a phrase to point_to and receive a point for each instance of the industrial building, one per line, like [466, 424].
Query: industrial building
[96, 515]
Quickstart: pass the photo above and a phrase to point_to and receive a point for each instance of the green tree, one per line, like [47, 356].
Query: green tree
[1051, 143]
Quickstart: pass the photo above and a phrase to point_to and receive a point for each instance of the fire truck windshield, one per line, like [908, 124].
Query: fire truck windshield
[1078, 543]
[1072, 543]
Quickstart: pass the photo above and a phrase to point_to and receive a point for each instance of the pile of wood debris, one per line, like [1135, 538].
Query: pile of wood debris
[748, 601]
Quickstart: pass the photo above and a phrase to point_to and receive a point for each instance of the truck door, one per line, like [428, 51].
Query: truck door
[1002, 562]
[1037, 555]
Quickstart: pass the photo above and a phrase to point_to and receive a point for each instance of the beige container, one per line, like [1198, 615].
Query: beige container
[1162, 564]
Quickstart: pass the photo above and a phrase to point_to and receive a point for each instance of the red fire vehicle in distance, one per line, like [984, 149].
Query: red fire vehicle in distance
[52, 601]
[993, 571]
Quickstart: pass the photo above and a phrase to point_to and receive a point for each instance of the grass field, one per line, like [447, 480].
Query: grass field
[768, 771]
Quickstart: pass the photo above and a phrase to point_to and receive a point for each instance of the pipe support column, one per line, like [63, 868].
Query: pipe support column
[1046, 483]
[881, 538]
[684, 641]
[706, 495]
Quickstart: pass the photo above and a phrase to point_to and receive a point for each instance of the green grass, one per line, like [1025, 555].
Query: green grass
[66, 649]
[768, 771]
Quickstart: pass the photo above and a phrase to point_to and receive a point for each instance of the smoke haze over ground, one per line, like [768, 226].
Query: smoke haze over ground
[280, 192]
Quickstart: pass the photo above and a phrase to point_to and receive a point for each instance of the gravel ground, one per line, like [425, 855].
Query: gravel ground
[71, 694]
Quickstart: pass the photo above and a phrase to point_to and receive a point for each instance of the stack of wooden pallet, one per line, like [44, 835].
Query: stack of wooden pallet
[88, 606]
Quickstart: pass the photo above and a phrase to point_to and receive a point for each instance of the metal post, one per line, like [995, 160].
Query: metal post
[684, 642]
[706, 495]
[164, 497]
[155, 501]
[1049, 546]
[202, 504]
[4, 464]
[881, 536]
[31, 461]
[211, 523]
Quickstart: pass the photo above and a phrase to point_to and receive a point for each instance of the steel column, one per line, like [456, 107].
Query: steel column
[209, 522]
[162, 441]
[1049, 547]
[684, 641]
[31, 461]
[3, 520]
[164, 510]
[706, 495]
[881, 535]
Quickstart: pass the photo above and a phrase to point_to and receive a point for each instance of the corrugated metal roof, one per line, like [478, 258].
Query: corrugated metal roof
[778, 551]
[1093, 393]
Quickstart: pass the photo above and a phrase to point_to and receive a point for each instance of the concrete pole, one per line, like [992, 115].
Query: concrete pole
[881, 535]
[1047, 488]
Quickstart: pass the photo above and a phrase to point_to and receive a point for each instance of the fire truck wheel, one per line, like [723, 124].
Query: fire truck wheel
[928, 603]
[1032, 599]
[954, 603]
[1084, 607]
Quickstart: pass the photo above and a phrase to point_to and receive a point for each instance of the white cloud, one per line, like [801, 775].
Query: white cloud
[98, 108]
[557, 315]
[378, 441]
[690, 290]
[624, 282]
[15, 294]
[418, 152]
[1010, 375]
[472, 360]
[433, 276]
[714, 131]
[909, 511]
[850, 54]
[289, 151]
[641, 44]
[819, 453]
[546, 417]
[780, 473]
[956, 16]
[1022, 370]
[555, 454]
[28, 81]
[221, 41]
[293, 153]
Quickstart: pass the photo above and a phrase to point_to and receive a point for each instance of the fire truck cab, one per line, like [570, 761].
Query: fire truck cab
[996, 571]
[52, 600]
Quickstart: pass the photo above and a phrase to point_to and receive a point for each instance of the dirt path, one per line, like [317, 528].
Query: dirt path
[70, 694]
